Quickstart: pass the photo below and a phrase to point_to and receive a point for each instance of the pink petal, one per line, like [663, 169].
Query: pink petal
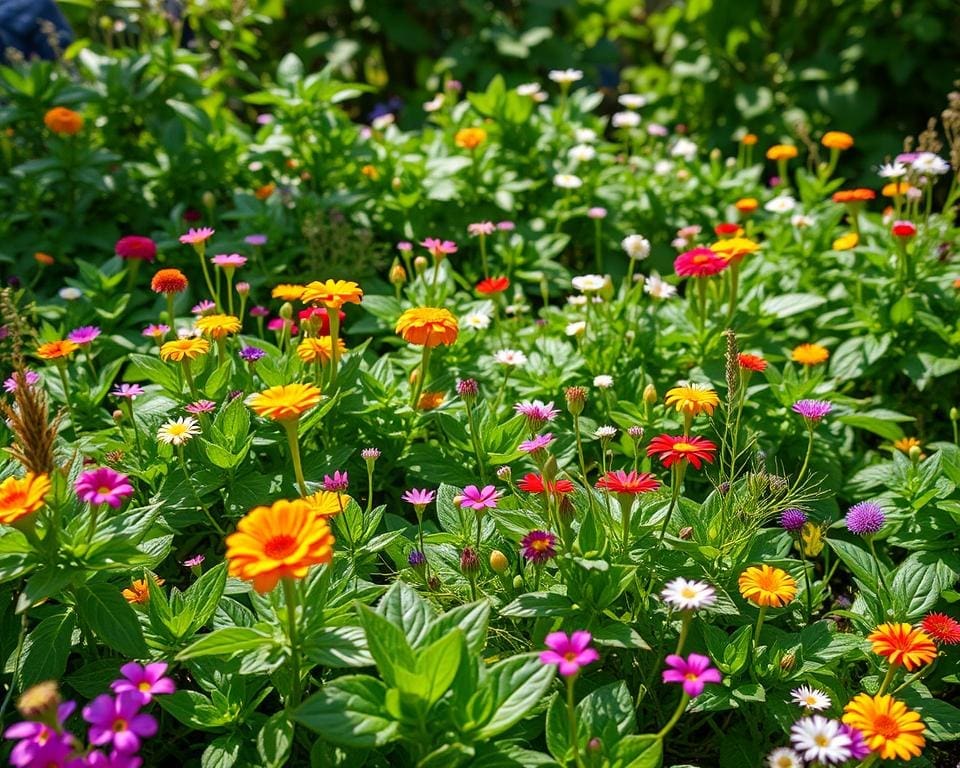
[568, 668]
[580, 640]
[557, 641]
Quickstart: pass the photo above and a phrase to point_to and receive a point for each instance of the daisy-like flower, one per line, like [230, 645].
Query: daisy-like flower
[286, 402]
[178, 431]
[780, 204]
[733, 249]
[534, 483]
[200, 406]
[890, 729]
[810, 698]
[197, 236]
[194, 562]
[251, 354]
[894, 170]
[582, 153]
[942, 628]
[337, 482]
[930, 164]
[603, 381]
[858, 745]
[103, 486]
[539, 546]
[633, 482]
[136, 248]
[699, 262]
[510, 357]
[288, 292]
[812, 410]
[632, 100]
[637, 247]
[565, 76]
[577, 328]
[625, 120]
[684, 149]
[767, 586]
[809, 354]
[203, 307]
[218, 326]
[865, 518]
[118, 721]
[535, 444]
[748, 362]
[784, 757]
[55, 350]
[658, 288]
[802, 221]
[688, 595]
[255, 240]
[569, 653]
[428, 326]
[147, 681]
[692, 399]
[419, 498]
[476, 321]
[333, 294]
[589, 283]
[84, 334]
[605, 432]
[567, 181]
[493, 285]
[693, 673]
[138, 592]
[155, 331]
[319, 349]
[184, 349]
[536, 412]
[228, 260]
[438, 248]
[20, 497]
[479, 499]
[69, 293]
[819, 739]
[671, 449]
[11, 384]
[902, 644]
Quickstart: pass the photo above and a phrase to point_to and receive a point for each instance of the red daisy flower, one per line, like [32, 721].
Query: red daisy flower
[634, 482]
[533, 483]
[727, 228]
[700, 262]
[751, 362]
[942, 628]
[672, 449]
[493, 285]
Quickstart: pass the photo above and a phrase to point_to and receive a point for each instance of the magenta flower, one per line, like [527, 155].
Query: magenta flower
[858, 745]
[85, 334]
[118, 721]
[597, 212]
[339, 482]
[537, 443]
[439, 248]
[197, 236]
[536, 412]
[812, 410]
[255, 240]
[201, 406]
[404, 246]
[569, 652]
[97, 759]
[481, 228]
[232, 260]
[259, 311]
[146, 681]
[865, 518]
[203, 307]
[419, 498]
[131, 391]
[39, 744]
[506, 226]
[692, 672]
[103, 486]
[539, 546]
[194, 562]
[136, 247]
[156, 330]
[32, 377]
[478, 499]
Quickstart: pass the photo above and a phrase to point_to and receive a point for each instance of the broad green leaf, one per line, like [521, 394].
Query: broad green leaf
[518, 685]
[226, 642]
[402, 606]
[386, 643]
[535, 604]
[46, 649]
[275, 740]
[338, 647]
[349, 711]
[109, 615]
[472, 619]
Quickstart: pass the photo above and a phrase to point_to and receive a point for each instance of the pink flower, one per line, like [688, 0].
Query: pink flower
[154, 331]
[569, 652]
[201, 406]
[118, 721]
[339, 482]
[32, 377]
[258, 311]
[700, 262]
[506, 226]
[539, 546]
[479, 499]
[203, 307]
[197, 236]
[85, 334]
[692, 672]
[536, 412]
[194, 562]
[439, 248]
[419, 498]
[255, 240]
[132, 391]
[597, 212]
[405, 246]
[144, 681]
[228, 260]
[481, 228]
[136, 247]
[537, 443]
[103, 486]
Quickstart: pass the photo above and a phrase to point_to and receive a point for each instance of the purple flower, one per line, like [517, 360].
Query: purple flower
[103, 486]
[569, 652]
[85, 334]
[419, 498]
[792, 520]
[131, 391]
[536, 412]
[812, 410]
[537, 443]
[97, 759]
[539, 546]
[201, 406]
[479, 499]
[32, 377]
[865, 518]
[259, 311]
[145, 681]
[692, 672]
[194, 562]
[416, 559]
[339, 482]
[251, 354]
[255, 240]
[118, 721]
[858, 746]
[39, 744]
[506, 226]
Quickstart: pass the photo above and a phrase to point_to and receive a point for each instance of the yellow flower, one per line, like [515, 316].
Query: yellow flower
[846, 242]
[218, 326]
[333, 294]
[371, 172]
[319, 349]
[781, 152]
[767, 586]
[904, 444]
[428, 326]
[895, 188]
[288, 292]
[54, 350]
[184, 349]
[470, 138]
[837, 140]
[890, 729]
[327, 503]
[749, 139]
[693, 399]
[746, 204]
[809, 354]
[734, 248]
[20, 497]
[286, 402]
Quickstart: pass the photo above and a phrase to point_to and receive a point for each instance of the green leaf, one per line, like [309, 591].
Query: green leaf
[518, 685]
[917, 585]
[472, 619]
[155, 371]
[790, 304]
[644, 751]
[607, 713]
[878, 421]
[533, 604]
[194, 709]
[109, 615]
[436, 668]
[402, 606]
[204, 595]
[47, 648]
[275, 740]
[859, 562]
[226, 642]
[387, 644]
[350, 711]
[338, 647]
[941, 719]
[222, 752]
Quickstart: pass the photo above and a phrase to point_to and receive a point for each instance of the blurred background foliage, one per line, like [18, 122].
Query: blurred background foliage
[874, 68]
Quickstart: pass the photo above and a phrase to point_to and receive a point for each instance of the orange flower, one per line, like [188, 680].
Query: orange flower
[767, 586]
[286, 402]
[470, 138]
[809, 354]
[169, 281]
[428, 326]
[333, 294]
[184, 349]
[749, 139]
[781, 152]
[430, 400]
[265, 191]
[903, 644]
[218, 326]
[43, 258]
[371, 172]
[888, 726]
[858, 195]
[895, 188]
[318, 349]
[846, 242]
[278, 542]
[837, 140]
[139, 591]
[904, 444]
[327, 503]
[746, 204]
[288, 292]
[54, 350]
[64, 121]
[20, 497]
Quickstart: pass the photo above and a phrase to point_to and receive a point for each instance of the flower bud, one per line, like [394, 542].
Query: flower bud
[649, 394]
[469, 562]
[416, 560]
[576, 397]
[420, 264]
[370, 456]
[686, 533]
[595, 745]
[468, 389]
[396, 184]
[787, 662]
[117, 416]
[915, 454]
[499, 562]
[434, 583]
[518, 582]
[398, 275]
[209, 200]
[636, 433]
[39, 702]
[504, 473]
[286, 311]
[954, 414]
[243, 289]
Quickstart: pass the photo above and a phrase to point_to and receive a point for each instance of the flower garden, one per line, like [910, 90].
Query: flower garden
[538, 434]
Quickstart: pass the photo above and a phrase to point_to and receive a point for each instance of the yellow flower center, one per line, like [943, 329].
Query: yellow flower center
[684, 447]
[688, 592]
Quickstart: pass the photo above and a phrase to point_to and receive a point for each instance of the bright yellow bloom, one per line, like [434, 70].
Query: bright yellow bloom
[693, 399]
[428, 326]
[890, 729]
[371, 172]
[781, 152]
[20, 497]
[809, 354]
[470, 138]
[288, 292]
[54, 350]
[333, 294]
[327, 503]
[837, 140]
[767, 586]
[184, 349]
[286, 402]
[895, 188]
[903, 644]
[734, 248]
[218, 326]
[846, 242]
[747, 204]
[318, 349]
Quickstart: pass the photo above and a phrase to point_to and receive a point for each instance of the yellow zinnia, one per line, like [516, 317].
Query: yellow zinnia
[218, 326]
[809, 354]
[693, 399]
[428, 326]
[286, 402]
[327, 503]
[734, 248]
[781, 152]
[470, 138]
[288, 292]
[767, 586]
[890, 729]
[318, 349]
[846, 242]
[184, 349]
[333, 294]
[837, 140]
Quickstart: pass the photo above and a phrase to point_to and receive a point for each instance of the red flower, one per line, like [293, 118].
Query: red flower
[903, 229]
[533, 483]
[751, 362]
[672, 449]
[136, 247]
[619, 481]
[726, 229]
[321, 316]
[942, 628]
[700, 262]
[493, 285]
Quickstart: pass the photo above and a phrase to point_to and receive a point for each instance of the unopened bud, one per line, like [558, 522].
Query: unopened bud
[420, 264]
[915, 453]
[499, 562]
[117, 416]
[39, 701]
[396, 184]
[469, 562]
[636, 433]
[243, 289]
[954, 414]
[595, 745]
[398, 275]
[434, 583]
[518, 582]
[649, 394]
[504, 473]
[370, 455]
[286, 311]
[787, 662]
[468, 389]
[209, 200]
[576, 397]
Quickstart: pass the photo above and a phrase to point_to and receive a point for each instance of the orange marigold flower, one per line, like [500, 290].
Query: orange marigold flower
[288, 292]
[184, 349]
[430, 400]
[837, 140]
[63, 121]
[750, 362]
[734, 248]
[265, 191]
[428, 326]
[281, 541]
[319, 349]
[781, 152]
[902, 644]
[746, 205]
[470, 138]
[895, 188]
[749, 139]
[858, 195]
[218, 326]
[20, 497]
[888, 726]
[54, 350]
[333, 294]
[846, 242]
[767, 586]
[809, 354]
[286, 402]
[692, 399]
[904, 444]
[43, 258]
[327, 503]
[371, 172]
[169, 281]
[139, 590]
[942, 628]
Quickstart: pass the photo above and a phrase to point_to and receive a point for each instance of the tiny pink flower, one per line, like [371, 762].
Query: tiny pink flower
[197, 236]
[481, 228]
[692, 672]
[478, 499]
[146, 681]
[85, 334]
[537, 443]
[569, 652]
[418, 497]
[228, 260]
[439, 248]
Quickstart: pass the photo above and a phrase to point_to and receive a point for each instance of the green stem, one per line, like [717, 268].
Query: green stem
[756, 632]
[678, 471]
[334, 316]
[676, 717]
[806, 459]
[170, 317]
[290, 597]
[206, 276]
[876, 560]
[183, 466]
[290, 427]
[684, 629]
[418, 387]
[475, 439]
[62, 370]
[189, 377]
[887, 679]
[572, 720]
[92, 527]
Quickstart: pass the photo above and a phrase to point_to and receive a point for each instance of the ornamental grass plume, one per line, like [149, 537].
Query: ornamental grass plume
[285, 404]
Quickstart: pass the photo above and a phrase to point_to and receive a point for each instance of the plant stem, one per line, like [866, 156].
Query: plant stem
[684, 628]
[290, 427]
[334, 317]
[888, 678]
[418, 387]
[572, 720]
[186, 474]
[676, 717]
[756, 632]
[678, 471]
[806, 459]
[876, 560]
[290, 597]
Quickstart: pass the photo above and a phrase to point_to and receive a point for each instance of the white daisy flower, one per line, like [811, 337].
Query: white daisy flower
[605, 432]
[801, 221]
[585, 135]
[582, 153]
[528, 89]
[929, 164]
[632, 101]
[686, 595]
[663, 168]
[784, 757]
[636, 246]
[588, 283]
[655, 286]
[578, 300]
[576, 329]
[820, 739]
[603, 381]
[894, 170]
[477, 321]
[565, 76]
[810, 698]
[781, 204]
[625, 120]
[379, 123]
[567, 181]
[510, 357]
[435, 104]
[685, 149]
[70, 293]
[178, 431]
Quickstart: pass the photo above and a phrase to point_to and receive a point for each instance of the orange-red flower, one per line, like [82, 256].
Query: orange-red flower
[859, 195]
[54, 350]
[493, 285]
[139, 590]
[20, 497]
[809, 354]
[169, 281]
[265, 191]
[430, 400]
[633, 482]
[749, 139]
[43, 258]
[746, 204]
[671, 449]
[428, 326]
[534, 483]
[942, 628]
[902, 644]
[750, 362]
[888, 726]
[470, 138]
[286, 402]
[63, 121]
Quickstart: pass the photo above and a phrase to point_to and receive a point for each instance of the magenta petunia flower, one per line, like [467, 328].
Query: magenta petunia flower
[201, 406]
[32, 377]
[85, 334]
[536, 444]
[692, 672]
[197, 236]
[479, 498]
[569, 652]
[156, 330]
[539, 546]
[38, 743]
[130, 391]
[439, 248]
[536, 412]
[232, 260]
[118, 721]
[136, 247]
[103, 486]
[255, 239]
[419, 498]
[812, 410]
[146, 681]
[481, 228]
[340, 481]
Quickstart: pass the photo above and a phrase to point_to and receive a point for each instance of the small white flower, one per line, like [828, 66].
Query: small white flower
[435, 104]
[565, 76]
[687, 595]
[625, 120]
[70, 293]
[603, 381]
[567, 181]
[588, 283]
[636, 246]
[578, 300]
[540, 97]
[477, 321]
[510, 357]
[820, 739]
[585, 135]
[605, 432]
[582, 153]
[379, 123]
[801, 221]
[929, 164]
[680, 243]
[576, 329]
[781, 204]
[516, 309]
[659, 288]
[255, 167]
[894, 170]
[663, 168]
[810, 698]
[528, 89]
[632, 101]
[685, 149]
[784, 757]
[178, 431]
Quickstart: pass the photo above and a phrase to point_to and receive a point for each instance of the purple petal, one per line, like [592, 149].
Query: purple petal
[557, 641]
[568, 668]
[126, 741]
[550, 657]
[144, 725]
[693, 688]
[587, 656]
